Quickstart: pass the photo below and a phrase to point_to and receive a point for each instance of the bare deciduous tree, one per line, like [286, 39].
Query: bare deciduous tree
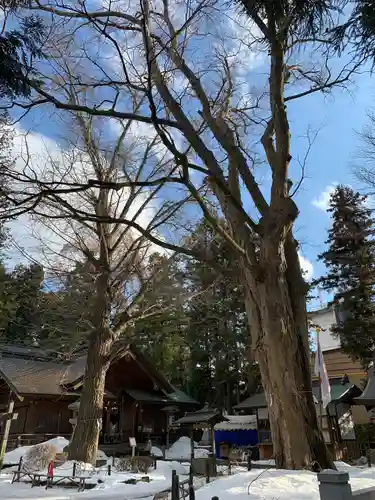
[85, 188]
[196, 96]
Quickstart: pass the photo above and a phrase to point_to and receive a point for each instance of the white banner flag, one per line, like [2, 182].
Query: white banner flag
[321, 372]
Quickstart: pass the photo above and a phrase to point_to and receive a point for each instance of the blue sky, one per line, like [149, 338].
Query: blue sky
[338, 117]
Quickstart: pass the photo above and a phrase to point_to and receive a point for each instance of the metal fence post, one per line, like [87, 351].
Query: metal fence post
[249, 461]
[191, 484]
[207, 465]
[334, 485]
[175, 493]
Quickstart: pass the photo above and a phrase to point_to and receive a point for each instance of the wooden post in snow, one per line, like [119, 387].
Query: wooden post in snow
[212, 432]
[191, 445]
[8, 417]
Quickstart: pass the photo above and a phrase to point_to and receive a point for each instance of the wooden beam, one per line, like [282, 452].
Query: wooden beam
[8, 416]
[191, 445]
[11, 386]
[4, 439]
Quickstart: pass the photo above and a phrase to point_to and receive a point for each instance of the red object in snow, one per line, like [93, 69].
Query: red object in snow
[50, 469]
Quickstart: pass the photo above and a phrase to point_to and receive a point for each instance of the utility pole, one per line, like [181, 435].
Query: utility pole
[8, 417]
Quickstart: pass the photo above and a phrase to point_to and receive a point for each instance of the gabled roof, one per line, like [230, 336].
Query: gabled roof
[148, 397]
[181, 397]
[29, 376]
[209, 416]
[74, 373]
[253, 402]
[31, 371]
[237, 423]
[339, 393]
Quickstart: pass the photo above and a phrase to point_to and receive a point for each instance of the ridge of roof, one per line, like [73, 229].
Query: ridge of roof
[338, 392]
[32, 370]
[75, 371]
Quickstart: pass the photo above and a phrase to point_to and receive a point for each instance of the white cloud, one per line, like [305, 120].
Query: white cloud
[52, 242]
[322, 201]
[306, 266]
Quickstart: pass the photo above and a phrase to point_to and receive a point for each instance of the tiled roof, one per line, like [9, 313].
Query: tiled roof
[31, 371]
[253, 402]
[338, 392]
[148, 397]
[29, 376]
[181, 397]
[204, 416]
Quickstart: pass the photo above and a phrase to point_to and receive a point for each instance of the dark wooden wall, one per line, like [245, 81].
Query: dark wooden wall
[42, 416]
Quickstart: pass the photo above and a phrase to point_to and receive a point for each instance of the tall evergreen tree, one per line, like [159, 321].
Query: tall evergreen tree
[65, 312]
[217, 333]
[350, 262]
[19, 47]
[22, 288]
[201, 342]
[163, 336]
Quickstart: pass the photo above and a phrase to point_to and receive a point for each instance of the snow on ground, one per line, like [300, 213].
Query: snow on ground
[108, 487]
[264, 485]
[181, 450]
[271, 484]
[13, 457]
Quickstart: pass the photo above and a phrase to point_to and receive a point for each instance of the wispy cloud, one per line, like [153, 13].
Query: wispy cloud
[322, 201]
[307, 267]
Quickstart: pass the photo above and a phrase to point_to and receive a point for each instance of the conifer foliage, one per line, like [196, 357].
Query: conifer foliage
[350, 263]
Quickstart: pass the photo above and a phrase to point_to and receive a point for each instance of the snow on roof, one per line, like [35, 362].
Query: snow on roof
[237, 422]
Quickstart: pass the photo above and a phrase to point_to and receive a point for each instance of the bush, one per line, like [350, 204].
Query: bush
[39, 456]
[134, 464]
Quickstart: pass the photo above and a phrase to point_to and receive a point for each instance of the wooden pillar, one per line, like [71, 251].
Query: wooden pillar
[25, 419]
[134, 420]
[191, 444]
[167, 436]
[257, 423]
[58, 423]
[8, 420]
[212, 431]
[107, 429]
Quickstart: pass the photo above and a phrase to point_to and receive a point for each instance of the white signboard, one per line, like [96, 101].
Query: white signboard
[132, 442]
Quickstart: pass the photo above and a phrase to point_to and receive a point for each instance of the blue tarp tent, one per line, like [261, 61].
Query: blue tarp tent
[237, 431]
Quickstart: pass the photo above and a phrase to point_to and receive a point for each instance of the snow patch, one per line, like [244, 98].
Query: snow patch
[181, 450]
[156, 452]
[13, 457]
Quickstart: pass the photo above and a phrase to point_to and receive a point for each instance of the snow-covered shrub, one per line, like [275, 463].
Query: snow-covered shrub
[134, 464]
[39, 456]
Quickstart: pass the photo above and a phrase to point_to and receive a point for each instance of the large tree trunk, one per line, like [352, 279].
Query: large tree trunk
[84, 443]
[279, 335]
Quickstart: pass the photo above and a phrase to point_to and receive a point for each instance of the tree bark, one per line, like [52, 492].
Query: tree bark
[279, 334]
[84, 443]
[275, 292]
